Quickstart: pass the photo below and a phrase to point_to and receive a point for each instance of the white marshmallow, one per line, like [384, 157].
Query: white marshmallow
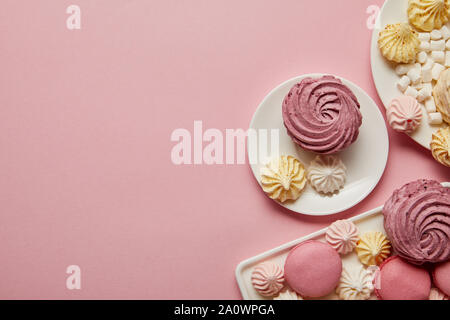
[422, 57]
[403, 83]
[410, 91]
[427, 86]
[447, 59]
[435, 35]
[430, 106]
[402, 69]
[436, 71]
[424, 46]
[438, 56]
[424, 36]
[428, 65]
[435, 118]
[445, 31]
[424, 94]
[437, 45]
[427, 75]
[415, 74]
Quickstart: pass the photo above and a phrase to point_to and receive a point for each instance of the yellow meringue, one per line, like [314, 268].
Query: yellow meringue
[440, 146]
[372, 248]
[284, 178]
[427, 15]
[399, 43]
[441, 94]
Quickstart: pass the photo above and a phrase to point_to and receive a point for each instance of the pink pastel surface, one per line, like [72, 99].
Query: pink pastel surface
[86, 116]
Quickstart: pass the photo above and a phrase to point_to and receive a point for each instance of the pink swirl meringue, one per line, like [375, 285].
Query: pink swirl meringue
[417, 221]
[268, 279]
[404, 114]
[322, 115]
[342, 235]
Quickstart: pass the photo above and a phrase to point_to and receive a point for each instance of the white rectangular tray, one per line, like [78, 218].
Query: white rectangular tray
[369, 221]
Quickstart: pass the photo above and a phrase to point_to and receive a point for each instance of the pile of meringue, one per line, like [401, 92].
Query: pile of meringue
[372, 249]
[421, 49]
[285, 178]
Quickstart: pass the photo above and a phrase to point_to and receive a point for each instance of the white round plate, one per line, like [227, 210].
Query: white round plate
[365, 159]
[383, 72]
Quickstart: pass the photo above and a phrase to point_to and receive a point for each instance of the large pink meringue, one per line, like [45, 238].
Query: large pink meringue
[322, 115]
[404, 114]
[417, 221]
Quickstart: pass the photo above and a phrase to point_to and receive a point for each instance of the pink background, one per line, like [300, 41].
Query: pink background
[85, 123]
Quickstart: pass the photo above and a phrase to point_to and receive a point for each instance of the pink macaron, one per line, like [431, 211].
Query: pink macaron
[313, 269]
[400, 280]
[441, 277]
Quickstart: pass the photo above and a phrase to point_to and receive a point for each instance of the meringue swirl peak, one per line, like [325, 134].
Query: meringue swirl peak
[322, 115]
[417, 221]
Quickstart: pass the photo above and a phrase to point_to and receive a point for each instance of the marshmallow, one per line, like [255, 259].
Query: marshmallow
[437, 45]
[427, 86]
[427, 75]
[424, 36]
[447, 59]
[410, 91]
[424, 94]
[403, 83]
[424, 46]
[428, 65]
[438, 56]
[430, 106]
[435, 35]
[403, 69]
[422, 57]
[415, 74]
[445, 31]
[435, 118]
[447, 45]
[436, 71]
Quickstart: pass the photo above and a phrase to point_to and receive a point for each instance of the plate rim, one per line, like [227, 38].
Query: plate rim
[385, 159]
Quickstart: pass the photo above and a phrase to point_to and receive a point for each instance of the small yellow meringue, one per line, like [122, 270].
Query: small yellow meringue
[427, 15]
[372, 248]
[440, 146]
[399, 43]
[284, 178]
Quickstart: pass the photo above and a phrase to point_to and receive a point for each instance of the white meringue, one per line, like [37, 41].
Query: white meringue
[356, 285]
[268, 279]
[288, 295]
[327, 174]
[436, 294]
[342, 235]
